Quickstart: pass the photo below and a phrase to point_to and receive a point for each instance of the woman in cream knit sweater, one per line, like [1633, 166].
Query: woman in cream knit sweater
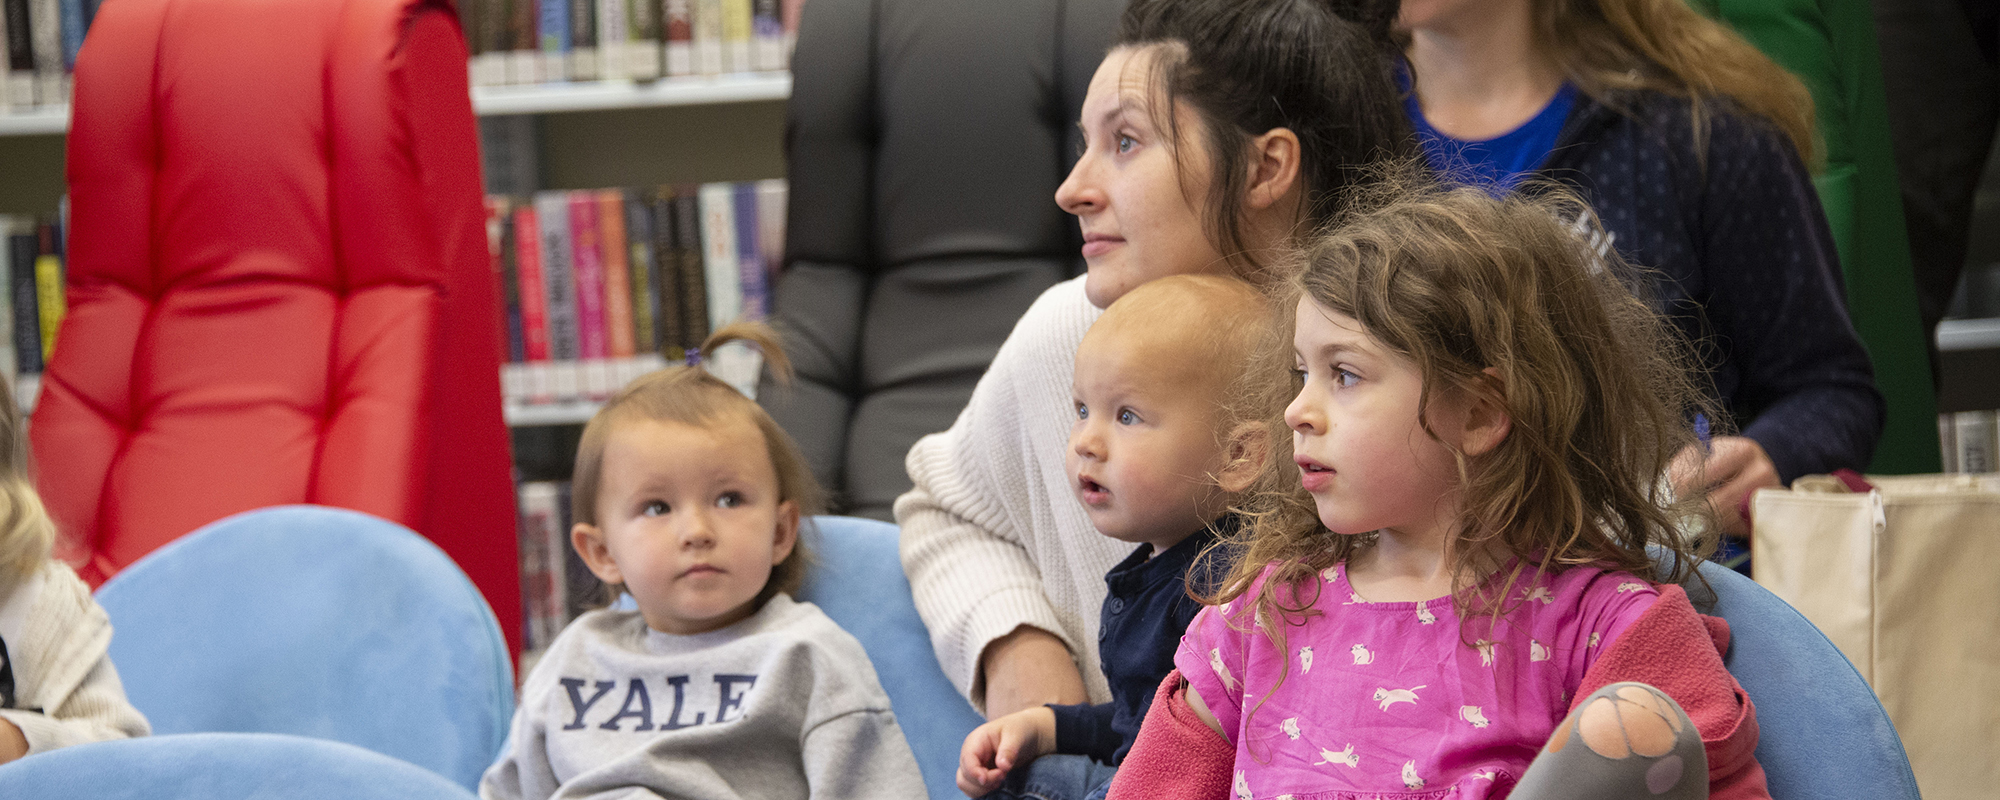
[1215, 130]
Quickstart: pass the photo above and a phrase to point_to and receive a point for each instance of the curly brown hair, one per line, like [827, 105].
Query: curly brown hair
[1596, 385]
[689, 395]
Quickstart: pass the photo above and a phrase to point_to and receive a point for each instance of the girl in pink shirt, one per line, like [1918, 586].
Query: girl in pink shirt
[1447, 588]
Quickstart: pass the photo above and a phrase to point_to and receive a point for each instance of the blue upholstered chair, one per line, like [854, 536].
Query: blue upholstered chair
[222, 766]
[316, 622]
[857, 579]
[1822, 732]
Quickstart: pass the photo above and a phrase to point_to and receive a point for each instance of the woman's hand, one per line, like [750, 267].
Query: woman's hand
[1028, 668]
[1733, 469]
[997, 747]
[13, 745]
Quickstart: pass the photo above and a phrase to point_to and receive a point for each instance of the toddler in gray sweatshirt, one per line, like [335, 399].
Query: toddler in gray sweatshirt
[718, 686]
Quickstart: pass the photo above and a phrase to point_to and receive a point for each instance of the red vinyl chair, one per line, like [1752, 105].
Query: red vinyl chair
[279, 286]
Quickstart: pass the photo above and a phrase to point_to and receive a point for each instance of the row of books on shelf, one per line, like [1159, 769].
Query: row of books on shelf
[555, 584]
[542, 41]
[32, 280]
[42, 38]
[601, 286]
[1970, 441]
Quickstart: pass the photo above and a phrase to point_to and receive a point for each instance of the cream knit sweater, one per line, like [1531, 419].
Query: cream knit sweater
[992, 536]
[61, 669]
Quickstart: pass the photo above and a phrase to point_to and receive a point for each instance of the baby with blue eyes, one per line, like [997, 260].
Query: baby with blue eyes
[1156, 455]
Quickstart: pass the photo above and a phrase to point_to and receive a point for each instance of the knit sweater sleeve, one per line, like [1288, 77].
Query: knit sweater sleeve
[78, 697]
[1778, 306]
[991, 540]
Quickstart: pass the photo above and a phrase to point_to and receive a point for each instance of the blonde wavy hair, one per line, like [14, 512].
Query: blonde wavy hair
[1609, 46]
[1597, 387]
[690, 395]
[27, 535]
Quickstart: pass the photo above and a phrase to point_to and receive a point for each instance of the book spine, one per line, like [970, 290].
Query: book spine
[552, 214]
[772, 195]
[531, 285]
[507, 273]
[583, 40]
[611, 37]
[8, 365]
[736, 36]
[723, 277]
[1948, 441]
[587, 265]
[639, 260]
[749, 254]
[486, 36]
[20, 89]
[71, 12]
[788, 12]
[1978, 435]
[619, 338]
[544, 588]
[677, 30]
[552, 31]
[668, 329]
[50, 303]
[643, 39]
[691, 282]
[582, 586]
[523, 42]
[27, 314]
[707, 18]
[767, 36]
[45, 28]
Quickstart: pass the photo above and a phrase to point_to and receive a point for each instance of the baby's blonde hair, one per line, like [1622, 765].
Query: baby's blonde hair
[689, 395]
[26, 532]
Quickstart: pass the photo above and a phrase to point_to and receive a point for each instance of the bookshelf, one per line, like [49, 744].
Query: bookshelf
[549, 98]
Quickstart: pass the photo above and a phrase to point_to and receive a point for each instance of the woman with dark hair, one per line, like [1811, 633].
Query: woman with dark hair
[1216, 131]
[1691, 146]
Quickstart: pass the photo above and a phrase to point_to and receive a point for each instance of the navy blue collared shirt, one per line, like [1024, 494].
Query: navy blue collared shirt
[1146, 610]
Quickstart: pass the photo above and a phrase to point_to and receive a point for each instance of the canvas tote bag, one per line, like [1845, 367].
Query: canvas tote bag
[1903, 574]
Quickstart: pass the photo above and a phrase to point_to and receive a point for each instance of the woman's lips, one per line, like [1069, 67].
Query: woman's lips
[1096, 245]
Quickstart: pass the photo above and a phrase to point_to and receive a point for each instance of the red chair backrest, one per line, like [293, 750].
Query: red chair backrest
[279, 287]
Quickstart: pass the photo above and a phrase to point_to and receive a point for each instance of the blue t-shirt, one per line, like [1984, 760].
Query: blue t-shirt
[1502, 161]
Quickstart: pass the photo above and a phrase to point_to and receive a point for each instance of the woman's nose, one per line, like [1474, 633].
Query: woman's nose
[1080, 193]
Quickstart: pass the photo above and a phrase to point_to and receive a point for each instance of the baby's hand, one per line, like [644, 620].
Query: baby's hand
[995, 748]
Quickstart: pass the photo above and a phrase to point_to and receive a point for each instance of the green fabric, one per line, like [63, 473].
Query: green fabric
[1831, 45]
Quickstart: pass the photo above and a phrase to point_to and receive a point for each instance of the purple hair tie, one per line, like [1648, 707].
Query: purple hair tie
[694, 356]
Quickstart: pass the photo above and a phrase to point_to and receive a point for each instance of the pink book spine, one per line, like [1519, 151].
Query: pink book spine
[587, 260]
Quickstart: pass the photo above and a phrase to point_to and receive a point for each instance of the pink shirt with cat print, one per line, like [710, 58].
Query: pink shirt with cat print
[1398, 700]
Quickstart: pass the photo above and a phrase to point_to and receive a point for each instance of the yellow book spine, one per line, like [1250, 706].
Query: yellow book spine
[49, 294]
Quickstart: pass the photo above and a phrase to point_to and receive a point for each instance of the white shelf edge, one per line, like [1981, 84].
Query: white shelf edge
[38, 121]
[1969, 334]
[555, 98]
[573, 412]
[548, 98]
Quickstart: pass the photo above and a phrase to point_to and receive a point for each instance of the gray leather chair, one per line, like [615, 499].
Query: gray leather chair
[925, 140]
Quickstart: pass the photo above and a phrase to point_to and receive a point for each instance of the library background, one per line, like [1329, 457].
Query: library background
[640, 145]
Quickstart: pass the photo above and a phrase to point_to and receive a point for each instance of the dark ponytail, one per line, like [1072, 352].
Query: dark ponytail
[1248, 66]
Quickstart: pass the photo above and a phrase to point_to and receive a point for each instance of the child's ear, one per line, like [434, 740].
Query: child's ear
[589, 543]
[1249, 447]
[788, 532]
[1486, 421]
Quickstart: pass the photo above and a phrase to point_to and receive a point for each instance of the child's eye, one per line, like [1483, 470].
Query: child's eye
[1082, 411]
[1126, 143]
[729, 500]
[1127, 416]
[655, 508]
[1344, 379]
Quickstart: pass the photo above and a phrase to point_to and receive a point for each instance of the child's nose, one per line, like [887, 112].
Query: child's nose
[1087, 442]
[698, 531]
[1304, 417]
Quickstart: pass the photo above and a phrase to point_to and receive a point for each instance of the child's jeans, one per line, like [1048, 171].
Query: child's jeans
[1057, 777]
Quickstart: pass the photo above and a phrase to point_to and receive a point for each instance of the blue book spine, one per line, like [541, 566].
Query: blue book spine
[553, 26]
[74, 24]
[756, 277]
